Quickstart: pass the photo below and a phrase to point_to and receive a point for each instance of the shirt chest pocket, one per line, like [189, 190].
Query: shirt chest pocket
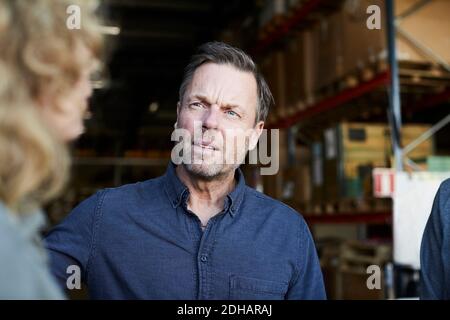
[243, 288]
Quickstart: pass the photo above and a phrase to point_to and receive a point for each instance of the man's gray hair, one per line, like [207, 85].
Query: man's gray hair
[222, 53]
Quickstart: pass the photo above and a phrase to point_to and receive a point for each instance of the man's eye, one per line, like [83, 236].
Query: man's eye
[196, 105]
[232, 113]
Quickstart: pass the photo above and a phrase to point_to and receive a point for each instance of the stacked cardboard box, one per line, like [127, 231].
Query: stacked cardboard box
[352, 150]
[294, 80]
[423, 150]
[292, 74]
[355, 258]
[347, 44]
[329, 42]
[301, 70]
[341, 44]
[296, 181]
[429, 26]
[273, 11]
[273, 68]
[329, 253]
[273, 184]
[344, 266]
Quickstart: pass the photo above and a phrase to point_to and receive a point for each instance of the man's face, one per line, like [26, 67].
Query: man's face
[220, 104]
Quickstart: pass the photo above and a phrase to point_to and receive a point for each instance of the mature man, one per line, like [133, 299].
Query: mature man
[197, 232]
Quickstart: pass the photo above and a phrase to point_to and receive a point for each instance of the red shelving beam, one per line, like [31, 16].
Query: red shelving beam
[287, 26]
[339, 218]
[332, 102]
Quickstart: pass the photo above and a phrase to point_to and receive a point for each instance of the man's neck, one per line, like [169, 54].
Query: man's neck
[206, 196]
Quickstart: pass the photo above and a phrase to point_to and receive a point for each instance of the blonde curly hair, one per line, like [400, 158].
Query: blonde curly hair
[37, 55]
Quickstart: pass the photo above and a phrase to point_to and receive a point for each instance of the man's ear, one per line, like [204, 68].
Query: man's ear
[256, 133]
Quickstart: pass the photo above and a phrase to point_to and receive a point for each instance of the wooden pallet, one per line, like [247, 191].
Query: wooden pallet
[353, 79]
[357, 256]
[348, 206]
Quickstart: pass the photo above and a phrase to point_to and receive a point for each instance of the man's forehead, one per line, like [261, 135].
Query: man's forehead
[223, 81]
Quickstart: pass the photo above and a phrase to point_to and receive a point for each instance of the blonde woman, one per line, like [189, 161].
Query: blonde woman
[44, 87]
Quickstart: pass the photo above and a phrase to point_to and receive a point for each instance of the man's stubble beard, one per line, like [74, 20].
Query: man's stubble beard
[211, 171]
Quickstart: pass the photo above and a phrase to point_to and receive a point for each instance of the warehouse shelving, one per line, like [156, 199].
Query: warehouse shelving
[297, 18]
[421, 86]
[384, 78]
[387, 80]
[333, 102]
[353, 217]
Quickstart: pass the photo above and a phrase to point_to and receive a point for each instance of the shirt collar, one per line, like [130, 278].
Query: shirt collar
[177, 191]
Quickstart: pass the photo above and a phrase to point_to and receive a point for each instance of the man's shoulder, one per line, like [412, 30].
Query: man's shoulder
[137, 188]
[148, 190]
[273, 206]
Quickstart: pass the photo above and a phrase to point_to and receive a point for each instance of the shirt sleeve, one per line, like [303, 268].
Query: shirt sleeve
[308, 284]
[432, 273]
[72, 242]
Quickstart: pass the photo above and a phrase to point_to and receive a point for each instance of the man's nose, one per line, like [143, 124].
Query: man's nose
[211, 117]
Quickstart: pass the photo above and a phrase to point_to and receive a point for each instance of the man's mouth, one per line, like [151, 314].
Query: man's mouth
[206, 146]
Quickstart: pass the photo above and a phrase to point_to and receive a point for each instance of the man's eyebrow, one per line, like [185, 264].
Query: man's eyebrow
[200, 97]
[204, 98]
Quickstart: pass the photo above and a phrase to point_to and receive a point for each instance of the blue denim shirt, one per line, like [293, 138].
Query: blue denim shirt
[140, 241]
[435, 249]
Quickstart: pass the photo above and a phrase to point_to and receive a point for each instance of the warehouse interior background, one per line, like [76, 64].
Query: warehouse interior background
[331, 80]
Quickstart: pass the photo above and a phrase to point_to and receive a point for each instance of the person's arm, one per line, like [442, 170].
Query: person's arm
[72, 242]
[308, 285]
[432, 272]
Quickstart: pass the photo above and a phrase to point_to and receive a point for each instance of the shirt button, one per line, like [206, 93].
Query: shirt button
[204, 258]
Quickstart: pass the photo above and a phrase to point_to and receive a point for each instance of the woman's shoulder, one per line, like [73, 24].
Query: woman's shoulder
[24, 273]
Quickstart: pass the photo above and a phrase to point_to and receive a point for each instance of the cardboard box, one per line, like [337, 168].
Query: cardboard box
[330, 50]
[355, 257]
[272, 185]
[354, 287]
[273, 69]
[310, 65]
[430, 26]
[410, 133]
[294, 74]
[297, 180]
[362, 46]
[272, 10]
[352, 150]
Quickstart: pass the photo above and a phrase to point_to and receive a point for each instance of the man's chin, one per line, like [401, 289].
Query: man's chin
[205, 170]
